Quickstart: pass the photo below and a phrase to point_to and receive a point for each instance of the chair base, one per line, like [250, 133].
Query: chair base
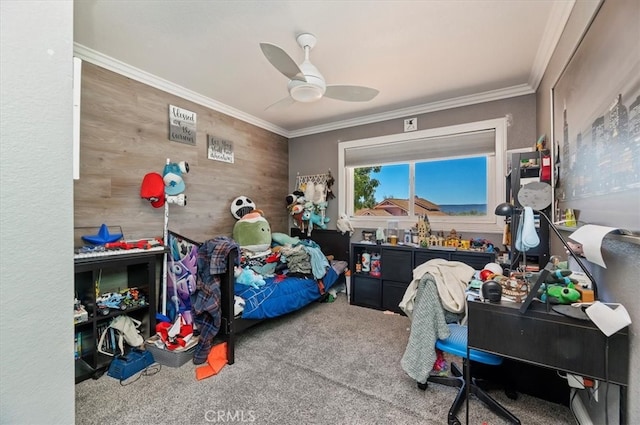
[457, 380]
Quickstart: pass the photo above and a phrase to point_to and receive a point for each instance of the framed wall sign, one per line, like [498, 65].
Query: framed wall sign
[219, 149]
[182, 125]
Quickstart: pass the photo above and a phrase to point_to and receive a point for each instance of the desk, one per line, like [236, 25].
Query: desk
[549, 339]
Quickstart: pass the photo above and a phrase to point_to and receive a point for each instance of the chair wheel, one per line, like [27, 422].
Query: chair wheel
[512, 394]
[423, 387]
[454, 421]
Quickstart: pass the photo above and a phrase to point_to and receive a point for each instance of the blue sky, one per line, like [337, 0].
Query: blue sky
[454, 181]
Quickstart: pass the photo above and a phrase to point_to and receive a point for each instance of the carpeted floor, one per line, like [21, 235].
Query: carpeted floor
[331, 363]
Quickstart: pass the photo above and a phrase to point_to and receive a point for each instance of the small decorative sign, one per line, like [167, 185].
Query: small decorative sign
[182, 125]
[219, 149]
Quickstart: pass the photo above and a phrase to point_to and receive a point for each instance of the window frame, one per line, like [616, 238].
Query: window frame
[496, 171]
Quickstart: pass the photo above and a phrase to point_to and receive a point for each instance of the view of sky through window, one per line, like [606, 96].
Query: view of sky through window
[457, 186]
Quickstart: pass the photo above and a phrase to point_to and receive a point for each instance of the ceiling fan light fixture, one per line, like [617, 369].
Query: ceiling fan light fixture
[306, 93]
[306, 83]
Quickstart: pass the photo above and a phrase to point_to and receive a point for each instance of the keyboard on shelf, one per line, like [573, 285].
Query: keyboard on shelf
[114, 252]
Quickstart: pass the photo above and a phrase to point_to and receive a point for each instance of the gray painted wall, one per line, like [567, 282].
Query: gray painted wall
[36, 290]
[317, 153]
[619, 281]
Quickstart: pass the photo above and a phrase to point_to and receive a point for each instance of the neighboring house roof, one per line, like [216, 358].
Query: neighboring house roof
[385, 207]
[372, 212]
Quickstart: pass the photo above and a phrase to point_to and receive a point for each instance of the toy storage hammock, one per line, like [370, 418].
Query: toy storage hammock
[317, 190]
[303, 181]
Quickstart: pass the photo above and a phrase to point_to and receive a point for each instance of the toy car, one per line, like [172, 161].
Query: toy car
[108, 301]
[133, 298]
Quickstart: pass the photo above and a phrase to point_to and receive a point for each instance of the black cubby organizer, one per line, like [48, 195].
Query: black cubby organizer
[115, 273]
[517, 177]
[385, 292]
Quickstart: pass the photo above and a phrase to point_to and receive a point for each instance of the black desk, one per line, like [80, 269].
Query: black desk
[551, 340]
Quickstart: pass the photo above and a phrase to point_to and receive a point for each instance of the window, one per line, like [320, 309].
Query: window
[454, 175]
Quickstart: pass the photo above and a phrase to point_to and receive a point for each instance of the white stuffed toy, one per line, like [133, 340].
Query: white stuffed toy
[309, 190]
[319, 195]
[344, 225]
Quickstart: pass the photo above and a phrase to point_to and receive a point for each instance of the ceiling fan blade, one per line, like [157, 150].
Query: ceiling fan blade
[282, 61]
[281, 103]
[351, 93]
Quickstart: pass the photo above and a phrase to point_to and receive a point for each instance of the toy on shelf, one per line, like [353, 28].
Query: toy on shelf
[344, 225]
[424, 231]
[80, 314]
[134, 244]
[102, 237]
[110, 301]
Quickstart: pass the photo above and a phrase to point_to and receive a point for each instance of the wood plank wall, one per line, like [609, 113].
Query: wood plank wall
[124, 135]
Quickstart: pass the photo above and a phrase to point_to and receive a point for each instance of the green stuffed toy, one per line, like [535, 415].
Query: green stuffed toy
[559, 294]
[252, 232]
[559, 287]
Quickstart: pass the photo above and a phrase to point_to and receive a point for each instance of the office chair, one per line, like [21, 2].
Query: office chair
[456, 344]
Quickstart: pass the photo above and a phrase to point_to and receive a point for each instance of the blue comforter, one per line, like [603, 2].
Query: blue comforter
[281, 296]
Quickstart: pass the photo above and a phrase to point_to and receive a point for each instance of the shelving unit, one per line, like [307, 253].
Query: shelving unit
[113, 273]
[518, 177]
[385, 292]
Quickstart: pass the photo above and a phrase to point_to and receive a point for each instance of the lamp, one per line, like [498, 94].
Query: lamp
[506, 210]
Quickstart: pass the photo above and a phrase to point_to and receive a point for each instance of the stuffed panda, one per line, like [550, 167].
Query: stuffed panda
[242, 206]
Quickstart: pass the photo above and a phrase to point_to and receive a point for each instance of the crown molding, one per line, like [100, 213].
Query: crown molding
[129, 71]
[519, 90]
[558, 18]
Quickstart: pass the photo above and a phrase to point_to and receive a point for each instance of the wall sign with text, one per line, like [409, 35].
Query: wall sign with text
[219, 149]
[182, 125]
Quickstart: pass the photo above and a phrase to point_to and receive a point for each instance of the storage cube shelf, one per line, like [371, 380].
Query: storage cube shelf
[111, 274]
[397, 262]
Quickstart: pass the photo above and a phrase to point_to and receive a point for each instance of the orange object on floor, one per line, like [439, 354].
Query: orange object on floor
[216, 360]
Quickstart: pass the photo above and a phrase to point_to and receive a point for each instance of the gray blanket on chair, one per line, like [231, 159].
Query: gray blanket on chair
[427, 326]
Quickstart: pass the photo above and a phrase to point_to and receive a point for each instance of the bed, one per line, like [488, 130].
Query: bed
[279, 296]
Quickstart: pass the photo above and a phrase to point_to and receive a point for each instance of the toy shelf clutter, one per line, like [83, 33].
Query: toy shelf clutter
[382, 287]
[128, 273]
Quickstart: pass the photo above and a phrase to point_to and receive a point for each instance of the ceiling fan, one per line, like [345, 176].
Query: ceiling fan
[306, 84]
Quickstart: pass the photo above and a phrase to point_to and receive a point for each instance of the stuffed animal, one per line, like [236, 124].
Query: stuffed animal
[252, 232]
[284, 239]
[296, 212]
[344, 225]
[241, 206]
[309, 190]
[560, 277]
[295, 204]
[319, 195]
[248, 277]
[319, 221]
[560, 294]
[330, 182]
[295, 198]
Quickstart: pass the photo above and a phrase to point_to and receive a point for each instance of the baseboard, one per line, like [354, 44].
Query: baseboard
[579, 409]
